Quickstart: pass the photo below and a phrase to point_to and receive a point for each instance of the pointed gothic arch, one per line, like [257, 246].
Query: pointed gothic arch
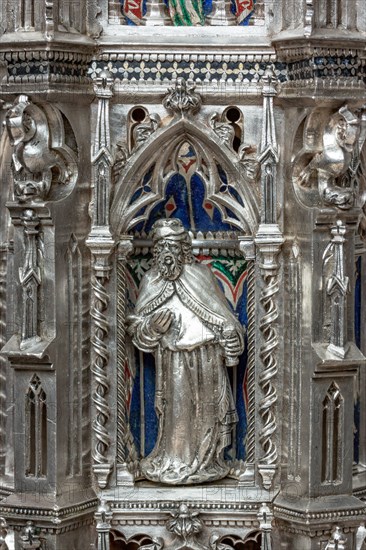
[156, 152]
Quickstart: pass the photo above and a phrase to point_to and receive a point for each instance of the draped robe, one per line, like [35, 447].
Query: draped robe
[193, 399]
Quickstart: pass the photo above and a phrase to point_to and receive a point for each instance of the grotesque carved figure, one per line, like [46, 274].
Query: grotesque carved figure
[40, 154]
[182, 316]
[333, 160]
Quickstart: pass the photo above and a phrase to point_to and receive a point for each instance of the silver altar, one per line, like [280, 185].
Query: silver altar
[256, 112]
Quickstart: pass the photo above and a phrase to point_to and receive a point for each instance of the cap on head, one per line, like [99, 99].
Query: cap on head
[169, 229]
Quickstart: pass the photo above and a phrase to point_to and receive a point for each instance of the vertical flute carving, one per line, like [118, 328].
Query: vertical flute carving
[101, 245]
[30, 279]
[269, 240]
[337, 289]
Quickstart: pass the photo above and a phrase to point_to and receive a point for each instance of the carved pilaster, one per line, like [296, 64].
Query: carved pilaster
[103, 517]
[125, 445]
[269, 240]
[102, 466]
[30, 280]
[102, 160]
[268, 156]
[101, 245]
[265, 517]
[337, 289]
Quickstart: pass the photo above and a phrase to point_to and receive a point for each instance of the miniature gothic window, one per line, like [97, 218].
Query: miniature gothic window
[36, 429]
[332, 434]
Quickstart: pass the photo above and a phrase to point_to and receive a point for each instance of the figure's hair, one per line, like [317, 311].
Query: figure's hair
[186, 251]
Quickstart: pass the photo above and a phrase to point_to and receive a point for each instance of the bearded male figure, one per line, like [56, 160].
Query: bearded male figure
[183, 317]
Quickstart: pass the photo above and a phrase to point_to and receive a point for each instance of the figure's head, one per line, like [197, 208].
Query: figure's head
[172, 247]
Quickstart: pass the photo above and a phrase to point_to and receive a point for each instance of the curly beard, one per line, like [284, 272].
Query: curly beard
[169, 266]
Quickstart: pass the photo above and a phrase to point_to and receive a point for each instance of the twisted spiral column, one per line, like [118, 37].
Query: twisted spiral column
[250, 436]
[121, 364]
[99, 364]
[267, 354]
[269, 241]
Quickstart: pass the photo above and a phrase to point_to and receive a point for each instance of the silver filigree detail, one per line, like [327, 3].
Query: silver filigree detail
[182, 99]
[360, 536]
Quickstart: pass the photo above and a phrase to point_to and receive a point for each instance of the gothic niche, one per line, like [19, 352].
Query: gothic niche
[187, 194]
[35, 429]
[332, 435]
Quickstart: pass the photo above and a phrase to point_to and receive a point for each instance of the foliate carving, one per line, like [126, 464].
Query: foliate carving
[41, 160]
[186, 525]
[182, 99]
[333, 146]
[337, 288]
[30, 280]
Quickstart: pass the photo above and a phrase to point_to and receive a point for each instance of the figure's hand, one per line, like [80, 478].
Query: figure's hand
[233, 346]
[161, 321]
